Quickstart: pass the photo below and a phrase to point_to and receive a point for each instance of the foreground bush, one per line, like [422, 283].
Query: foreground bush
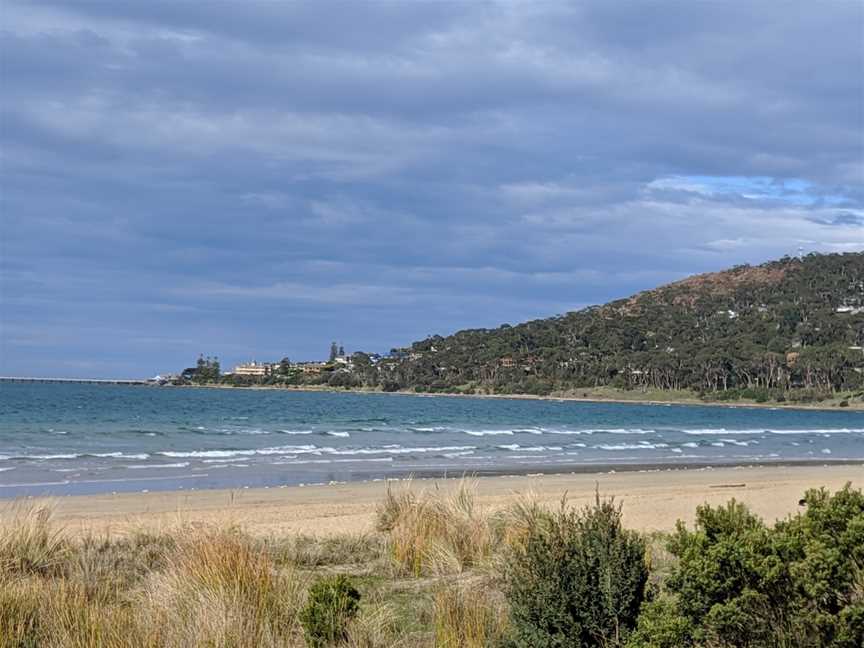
[577, 580]
[740, 583]
[332, 604]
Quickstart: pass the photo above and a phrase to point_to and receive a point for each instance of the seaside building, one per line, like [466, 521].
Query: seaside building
[310, 367]
[258, 369]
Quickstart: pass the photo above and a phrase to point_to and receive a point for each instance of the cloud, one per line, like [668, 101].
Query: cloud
[257, 179]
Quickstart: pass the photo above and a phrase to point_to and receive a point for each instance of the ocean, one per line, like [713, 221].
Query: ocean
[69, 439]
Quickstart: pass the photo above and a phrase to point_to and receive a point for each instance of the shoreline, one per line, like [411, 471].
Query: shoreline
[169, 485]
[694, 402]
[653, 499]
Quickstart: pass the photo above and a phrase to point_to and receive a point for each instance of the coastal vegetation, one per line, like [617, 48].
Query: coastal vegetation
[442, 571]
[788, 331]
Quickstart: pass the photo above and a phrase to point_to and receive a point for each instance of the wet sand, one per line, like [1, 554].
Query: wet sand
[652, 500]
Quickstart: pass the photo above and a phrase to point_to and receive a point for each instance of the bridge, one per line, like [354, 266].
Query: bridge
[77, 381]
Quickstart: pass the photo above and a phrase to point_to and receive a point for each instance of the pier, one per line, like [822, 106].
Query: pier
[78, 381]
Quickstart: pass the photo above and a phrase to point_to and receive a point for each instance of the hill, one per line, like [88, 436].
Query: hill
[787, 328]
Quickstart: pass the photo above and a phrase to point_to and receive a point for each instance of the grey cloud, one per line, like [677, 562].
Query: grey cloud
[398, 169]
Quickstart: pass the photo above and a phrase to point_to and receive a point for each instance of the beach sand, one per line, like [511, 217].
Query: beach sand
[651, 500]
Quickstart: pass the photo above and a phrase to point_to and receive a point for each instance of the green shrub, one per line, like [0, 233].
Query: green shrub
[577, 580]
[661, 625]
[741, 583]
[333, 602]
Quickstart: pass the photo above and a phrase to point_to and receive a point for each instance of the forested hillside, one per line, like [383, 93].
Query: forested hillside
[788, 327]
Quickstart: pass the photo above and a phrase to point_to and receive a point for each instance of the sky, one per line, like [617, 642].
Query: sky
[253, 180]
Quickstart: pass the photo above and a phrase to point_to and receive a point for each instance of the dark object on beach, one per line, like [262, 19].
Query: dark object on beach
[802, 502]
[728, 486]
[333, 602]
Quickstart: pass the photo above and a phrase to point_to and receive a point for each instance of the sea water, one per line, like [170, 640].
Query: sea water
[67, 438]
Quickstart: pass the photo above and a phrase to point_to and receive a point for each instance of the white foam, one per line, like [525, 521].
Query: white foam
[776, 431]
[343, 435]
[629, 446]
[489, 432]
[515, 446]
[184, 464]
[735, 442]
[396, 450]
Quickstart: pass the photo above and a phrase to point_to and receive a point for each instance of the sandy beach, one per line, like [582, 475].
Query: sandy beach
[651, 500]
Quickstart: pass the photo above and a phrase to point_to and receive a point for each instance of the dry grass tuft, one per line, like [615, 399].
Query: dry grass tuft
[431, 533]
[29, 542]
[376, 626]
[468, 616]
[219, 589]
[513, 524]
[394, 506]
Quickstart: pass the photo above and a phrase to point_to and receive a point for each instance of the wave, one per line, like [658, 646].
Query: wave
[396, 450]
[309, 449]
[488, 432]
[514, 447]
[334, 433]
[119, 455]
[226, 431]
[75, 455]
[630, 446]
[183, 464]
[297, 431]
[709, 431]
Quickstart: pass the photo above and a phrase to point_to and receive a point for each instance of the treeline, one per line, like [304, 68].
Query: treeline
[789, 325]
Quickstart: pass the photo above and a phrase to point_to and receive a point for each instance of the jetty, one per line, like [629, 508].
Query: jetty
[79, 381]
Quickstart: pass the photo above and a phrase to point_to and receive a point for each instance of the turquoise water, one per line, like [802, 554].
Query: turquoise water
[95, 438]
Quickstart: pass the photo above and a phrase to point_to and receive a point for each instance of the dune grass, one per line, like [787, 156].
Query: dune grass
[441, 571]
[431, 533]
[469, 615]
[426, 575]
